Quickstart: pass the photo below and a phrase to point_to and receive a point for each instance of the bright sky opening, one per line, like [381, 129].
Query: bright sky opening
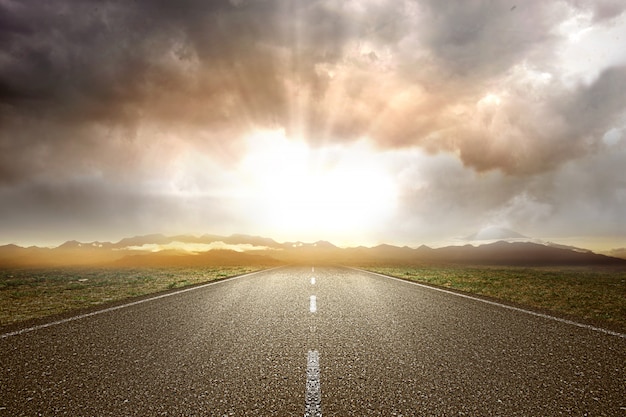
[333, 191]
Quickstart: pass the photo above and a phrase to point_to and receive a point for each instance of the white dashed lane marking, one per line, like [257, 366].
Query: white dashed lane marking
[313, 405]
[313, 400]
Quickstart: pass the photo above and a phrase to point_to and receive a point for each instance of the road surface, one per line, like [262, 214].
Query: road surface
[304, 341]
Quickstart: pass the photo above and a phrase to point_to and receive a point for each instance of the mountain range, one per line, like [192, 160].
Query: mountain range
[185, 250]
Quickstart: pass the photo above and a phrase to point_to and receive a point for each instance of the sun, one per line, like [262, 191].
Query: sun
[326, 192]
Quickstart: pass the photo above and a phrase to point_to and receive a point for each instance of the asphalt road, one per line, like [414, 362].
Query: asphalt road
[278, 343]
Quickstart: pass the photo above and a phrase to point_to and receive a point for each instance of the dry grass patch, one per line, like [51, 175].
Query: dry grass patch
[33, 293]
[594, 294]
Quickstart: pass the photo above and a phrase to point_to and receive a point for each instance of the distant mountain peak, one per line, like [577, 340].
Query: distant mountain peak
[490, 246]
[71, 244]
[568, 247]
[239, 238]
[324, 244]
[495, 233]
[156, 238]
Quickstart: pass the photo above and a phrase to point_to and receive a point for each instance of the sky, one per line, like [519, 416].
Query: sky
[357, 122]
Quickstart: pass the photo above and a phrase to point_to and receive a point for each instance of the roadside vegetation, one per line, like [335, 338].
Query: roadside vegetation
[597, 295]
[34, 293]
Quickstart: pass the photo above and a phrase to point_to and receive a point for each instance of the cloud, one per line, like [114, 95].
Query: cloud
[601, 9]
[100, 100]
[402, 73]
[441, 198]
[92, 208]
[482, 39]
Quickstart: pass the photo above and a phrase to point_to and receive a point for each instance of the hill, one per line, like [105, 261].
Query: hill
[184, 250]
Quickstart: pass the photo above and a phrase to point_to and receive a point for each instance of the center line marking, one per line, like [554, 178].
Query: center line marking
[312, 280]
[313, 405]
[313, 304]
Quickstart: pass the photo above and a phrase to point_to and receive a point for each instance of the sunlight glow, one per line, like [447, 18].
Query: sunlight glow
[317, 192]
[194, 248]
[490, 99]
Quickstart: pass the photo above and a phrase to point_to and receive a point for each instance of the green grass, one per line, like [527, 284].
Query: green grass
[34, 293]
[593, 294]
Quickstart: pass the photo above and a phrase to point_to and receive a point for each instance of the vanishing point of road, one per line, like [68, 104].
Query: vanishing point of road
[304, 341]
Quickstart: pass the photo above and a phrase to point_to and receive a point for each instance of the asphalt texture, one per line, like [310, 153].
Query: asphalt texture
[252, 346]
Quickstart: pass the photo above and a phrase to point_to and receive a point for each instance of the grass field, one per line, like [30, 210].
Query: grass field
[593, 294]
[33, 293]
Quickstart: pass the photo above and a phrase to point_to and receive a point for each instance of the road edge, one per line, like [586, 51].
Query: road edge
[141, 300]
[498, 304]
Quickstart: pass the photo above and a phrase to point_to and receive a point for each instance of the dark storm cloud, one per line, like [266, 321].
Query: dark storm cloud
[104, 59]
[69, 67]
[72, 66]
[592, 108]
[601, 9]
[479, 39]
[233, 67]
